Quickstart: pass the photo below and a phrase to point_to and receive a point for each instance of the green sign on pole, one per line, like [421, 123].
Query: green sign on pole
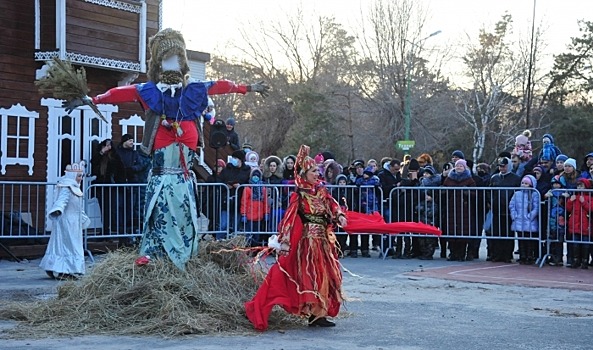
[405, 145]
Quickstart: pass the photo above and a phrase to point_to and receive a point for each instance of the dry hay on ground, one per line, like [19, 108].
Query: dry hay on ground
[118, 297]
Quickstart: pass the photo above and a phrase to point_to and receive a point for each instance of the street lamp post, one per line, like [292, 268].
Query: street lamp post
[407, 109]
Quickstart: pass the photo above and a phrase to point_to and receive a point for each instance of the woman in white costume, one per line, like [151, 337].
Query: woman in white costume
[64, 256]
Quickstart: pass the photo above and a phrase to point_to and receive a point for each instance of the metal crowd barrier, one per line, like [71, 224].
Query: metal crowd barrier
[559, 213]
[463, 214]
[23, 219]
[116, 212]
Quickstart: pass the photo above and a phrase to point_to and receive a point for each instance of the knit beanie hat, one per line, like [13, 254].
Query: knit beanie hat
[561, 158]
[126, 137]
[530, 179]
[504, 154]
[255, 172]
[358, 162]
[570, 162]
[429, 169]
[462, 162]
[414, 165]
[504, 161]
[319, 158]
[327, 155]
[585, 182]
[368, 171]
[557, 180]
[521, 140]
[230, 121]
[458, 154]
[341, 177]
[539, 169]
[239, 154]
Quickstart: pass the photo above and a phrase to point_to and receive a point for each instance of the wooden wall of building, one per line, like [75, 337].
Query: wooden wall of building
[97, 29]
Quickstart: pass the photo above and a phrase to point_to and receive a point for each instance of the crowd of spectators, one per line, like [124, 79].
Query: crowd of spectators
[507, 202]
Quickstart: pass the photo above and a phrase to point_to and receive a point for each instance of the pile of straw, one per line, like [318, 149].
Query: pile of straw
[118, 297]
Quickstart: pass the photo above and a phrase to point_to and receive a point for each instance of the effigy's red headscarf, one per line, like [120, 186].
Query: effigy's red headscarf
[302, 164]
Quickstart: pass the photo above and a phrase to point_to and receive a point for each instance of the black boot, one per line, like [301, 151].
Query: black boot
[584, 256]
[320, 322]
[576, 256]
[522, 252]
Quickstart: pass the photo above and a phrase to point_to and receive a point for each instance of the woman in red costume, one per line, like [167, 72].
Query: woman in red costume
[307, 280]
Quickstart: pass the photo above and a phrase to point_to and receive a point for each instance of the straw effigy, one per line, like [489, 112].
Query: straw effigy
[117, 297]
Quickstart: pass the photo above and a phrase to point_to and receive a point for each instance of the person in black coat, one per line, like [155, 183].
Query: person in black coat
[131, 170]
[232, 136]
[502, 249]
[103, 167]
[408, 200]
[235, 174]
[390, 178]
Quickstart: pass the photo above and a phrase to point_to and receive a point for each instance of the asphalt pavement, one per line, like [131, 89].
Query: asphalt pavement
[392, 304]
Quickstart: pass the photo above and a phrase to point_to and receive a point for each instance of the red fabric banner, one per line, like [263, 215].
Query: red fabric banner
[374, 223]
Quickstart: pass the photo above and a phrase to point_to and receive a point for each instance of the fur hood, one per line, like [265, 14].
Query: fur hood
[336, 169]
[279, 169]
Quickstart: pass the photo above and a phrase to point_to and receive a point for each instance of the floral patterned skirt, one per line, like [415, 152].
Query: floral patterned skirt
[171, 222]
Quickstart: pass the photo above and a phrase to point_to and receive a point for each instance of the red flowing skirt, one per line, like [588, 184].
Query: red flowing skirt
[308, 281]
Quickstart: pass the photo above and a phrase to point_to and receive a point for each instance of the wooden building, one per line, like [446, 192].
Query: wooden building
[106, 37]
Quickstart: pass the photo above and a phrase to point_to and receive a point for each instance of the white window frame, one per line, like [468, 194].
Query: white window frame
[17, 111]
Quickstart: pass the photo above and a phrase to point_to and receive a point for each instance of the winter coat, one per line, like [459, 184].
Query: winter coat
[274, 178]
[235, 175]
[524, 210]
[457, 206]
[428, 209]
[232, 139]
[578, 220]
[109, 163]
[132, 167]
[585, 174]
[65, 253]
[557, 219]
[254, 209]
[369, 197]
[405, 208]
[335, 168]
[549, 151]
[500, 199]
[388, 181]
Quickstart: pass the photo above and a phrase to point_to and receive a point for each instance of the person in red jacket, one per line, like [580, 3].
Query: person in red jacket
[579, 207]
[255, 209]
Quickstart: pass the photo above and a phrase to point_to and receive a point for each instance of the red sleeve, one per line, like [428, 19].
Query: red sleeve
[569, 204]
[120, 94]
[245, 200]
[226, 87]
